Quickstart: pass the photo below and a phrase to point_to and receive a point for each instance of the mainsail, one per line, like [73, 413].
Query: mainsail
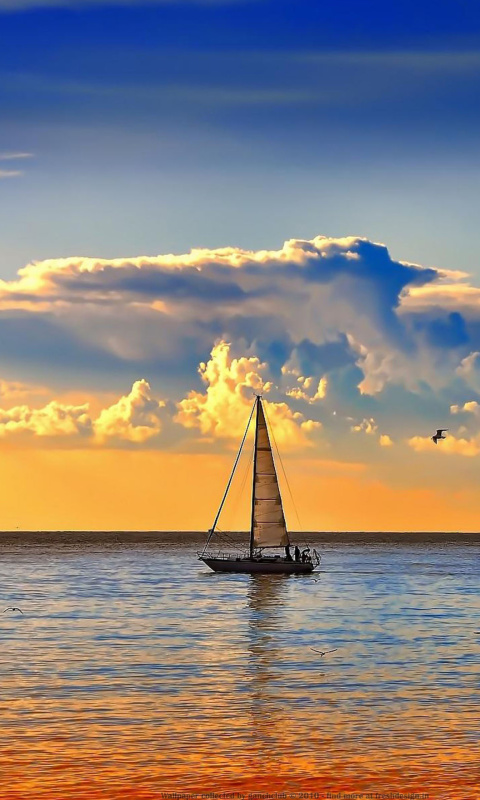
[268, 521]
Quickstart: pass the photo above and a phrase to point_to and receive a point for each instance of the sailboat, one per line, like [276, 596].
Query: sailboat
[268, 529]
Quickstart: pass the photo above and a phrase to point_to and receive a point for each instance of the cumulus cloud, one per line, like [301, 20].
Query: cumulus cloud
[133, 418]
[311, 390]
[385, 440]
[322, 324]
[368, 426]
[231, 384]
[219, 413]
[136, 417]
[471, 407]
[52, 420]
[450, 446]
[322, 303]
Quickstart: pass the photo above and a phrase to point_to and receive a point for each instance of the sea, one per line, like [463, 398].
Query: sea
[134, 672]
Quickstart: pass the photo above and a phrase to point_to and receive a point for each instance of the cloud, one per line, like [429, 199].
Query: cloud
[136, 417]
[15, 391]
[450, 446]
[219, 413]
[385, 441]
[52, 420]
[128, 309]
[368, 426]
[471, 407]
[310, 389]
[223, 409]
[325, 325]
[14, 156]
[10, 173]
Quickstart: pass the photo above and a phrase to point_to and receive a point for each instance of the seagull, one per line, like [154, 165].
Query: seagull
[324, 652]
[438, 435]
[13, 608]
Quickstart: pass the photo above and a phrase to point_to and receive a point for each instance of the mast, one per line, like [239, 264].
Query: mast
[252, 523]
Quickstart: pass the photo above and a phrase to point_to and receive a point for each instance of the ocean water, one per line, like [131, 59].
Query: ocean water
[135, 672]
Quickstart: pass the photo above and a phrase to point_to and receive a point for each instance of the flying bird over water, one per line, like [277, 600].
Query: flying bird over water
[324, 652]
[438, 435]
[13, 608]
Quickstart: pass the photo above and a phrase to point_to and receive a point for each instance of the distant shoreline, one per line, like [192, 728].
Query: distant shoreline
[112, 539]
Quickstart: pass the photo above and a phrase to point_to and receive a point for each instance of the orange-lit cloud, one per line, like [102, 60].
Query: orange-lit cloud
[448, 446]
[224, 406]
[471, 407]
[52, 420]
[385, 440]
[133, 418]
[309, 390]
[368, 426]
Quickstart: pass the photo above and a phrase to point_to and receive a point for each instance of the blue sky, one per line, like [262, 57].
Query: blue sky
[157, 127]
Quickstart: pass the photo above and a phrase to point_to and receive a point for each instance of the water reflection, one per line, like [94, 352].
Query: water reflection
[265, 598]
[130, 674]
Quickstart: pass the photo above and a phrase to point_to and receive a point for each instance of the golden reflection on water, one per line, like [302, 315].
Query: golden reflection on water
[134, 672]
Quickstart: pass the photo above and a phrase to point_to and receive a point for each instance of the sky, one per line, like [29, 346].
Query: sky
[201, 200]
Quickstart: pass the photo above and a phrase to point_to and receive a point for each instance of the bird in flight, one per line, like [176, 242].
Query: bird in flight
[324, 652]
[438, 435]
[13, 608]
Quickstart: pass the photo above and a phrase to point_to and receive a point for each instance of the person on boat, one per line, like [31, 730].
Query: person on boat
[306, 555]
[288, 557]
[297, 553]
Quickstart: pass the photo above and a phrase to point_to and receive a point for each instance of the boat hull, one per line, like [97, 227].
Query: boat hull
[255, 566]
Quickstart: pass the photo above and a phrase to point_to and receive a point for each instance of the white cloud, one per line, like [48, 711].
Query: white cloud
[344, 293]
[10, 173]
[303, 392]
[14, 156]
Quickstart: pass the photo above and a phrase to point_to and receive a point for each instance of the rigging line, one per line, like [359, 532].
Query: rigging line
[283, 468]
[223, 536]
[227, 540]
[212, 529]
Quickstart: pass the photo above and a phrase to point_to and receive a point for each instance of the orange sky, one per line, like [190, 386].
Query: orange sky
[151, 490]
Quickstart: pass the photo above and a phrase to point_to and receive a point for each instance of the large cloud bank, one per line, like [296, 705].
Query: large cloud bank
[349, 344]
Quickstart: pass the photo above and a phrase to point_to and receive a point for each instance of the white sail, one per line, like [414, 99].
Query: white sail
[269, 528]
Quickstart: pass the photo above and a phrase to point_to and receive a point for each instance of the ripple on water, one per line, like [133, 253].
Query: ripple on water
[133, 671]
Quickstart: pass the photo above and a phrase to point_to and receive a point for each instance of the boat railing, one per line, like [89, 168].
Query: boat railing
[221, 554]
